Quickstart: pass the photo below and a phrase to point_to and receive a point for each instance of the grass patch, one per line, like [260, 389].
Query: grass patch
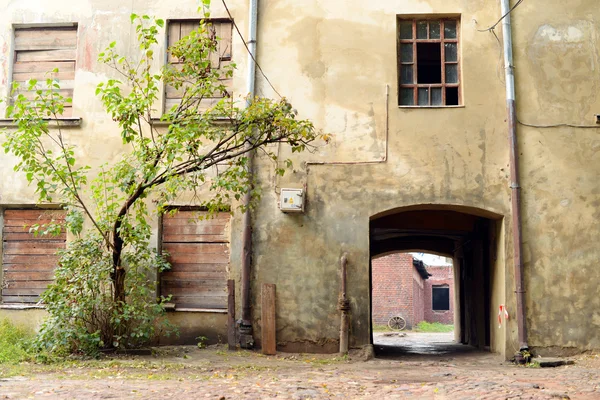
[381, 328]
[15, 343]
[433, 327]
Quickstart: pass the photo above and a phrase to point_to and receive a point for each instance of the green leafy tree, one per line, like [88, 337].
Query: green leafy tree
[104, 291]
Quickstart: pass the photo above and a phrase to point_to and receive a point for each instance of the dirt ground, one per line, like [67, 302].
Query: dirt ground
[428, 366]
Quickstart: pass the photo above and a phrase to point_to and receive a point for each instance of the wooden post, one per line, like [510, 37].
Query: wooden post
[269, 341]
[231, 314]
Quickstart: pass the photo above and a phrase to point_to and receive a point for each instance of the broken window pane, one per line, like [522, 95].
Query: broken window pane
[406, 30]
[406, 97]
[450, 29]
[451, 53]
[436, 96]
[434, 30]
[451, 73]
[429, 63]
[406, 52]
[422, 30]
[452, 96]
[423, 96]
[406, 74]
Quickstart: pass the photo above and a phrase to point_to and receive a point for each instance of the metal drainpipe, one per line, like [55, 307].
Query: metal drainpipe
[246, 339]
[514, 172]
[344, 307]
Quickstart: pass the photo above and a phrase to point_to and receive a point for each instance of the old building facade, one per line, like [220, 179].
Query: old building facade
[413, 93]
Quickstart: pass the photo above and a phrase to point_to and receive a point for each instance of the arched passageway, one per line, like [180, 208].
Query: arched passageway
[468, 236]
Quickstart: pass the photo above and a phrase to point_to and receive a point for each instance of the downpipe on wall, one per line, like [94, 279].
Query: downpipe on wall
[344, 307]
[245, 326]
[515, 186]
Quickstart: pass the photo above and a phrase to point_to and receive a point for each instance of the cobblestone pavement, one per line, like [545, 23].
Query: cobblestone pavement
[215, 373]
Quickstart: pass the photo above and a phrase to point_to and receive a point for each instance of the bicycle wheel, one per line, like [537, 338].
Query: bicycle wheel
[397, 323]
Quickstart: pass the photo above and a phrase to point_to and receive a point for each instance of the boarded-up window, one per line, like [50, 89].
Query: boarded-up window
[28, 261]
[221, 29]
[38, 51]
[199, 256]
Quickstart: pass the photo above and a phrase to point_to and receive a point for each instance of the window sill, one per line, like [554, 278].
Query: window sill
[428, 107]
[63, 122]
[160, 123]
[21, 306]
[201, 310]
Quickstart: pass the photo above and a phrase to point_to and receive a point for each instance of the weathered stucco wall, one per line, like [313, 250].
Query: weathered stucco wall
[342, 55]
[558, 60]
[334, 61]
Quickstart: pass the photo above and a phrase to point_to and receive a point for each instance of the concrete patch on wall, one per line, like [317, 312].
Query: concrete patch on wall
[564, 60]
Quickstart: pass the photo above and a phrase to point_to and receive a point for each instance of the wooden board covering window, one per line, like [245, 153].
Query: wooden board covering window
[39, 51]
[28, 261]
[180, 29]
[199, 256]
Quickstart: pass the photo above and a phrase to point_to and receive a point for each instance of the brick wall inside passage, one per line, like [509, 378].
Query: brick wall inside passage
[396, 291]
[418, 297]
[440, 275]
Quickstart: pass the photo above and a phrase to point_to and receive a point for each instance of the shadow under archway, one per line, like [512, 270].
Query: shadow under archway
[466, 235]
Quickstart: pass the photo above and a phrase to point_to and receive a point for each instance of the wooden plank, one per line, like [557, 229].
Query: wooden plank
[231, 341]
[188, 26]
[179, 275]
[41, 85]
[195, 238]
[19, 299]
[195, 215]
[268, 332]
[34, 214]
[45, 55]
[198, 258]
[25, 284]
[225, 44]
[200, 303]
[30, 248]
[196, 284]
[45, 67]
[173, 93]
[38, 260]
[203, 106]
[32, 94]
[23, 292]
[196, 248]
[215, 227]
[30, 267]
[22, 236]
[198, 267]
[46, 38]
[14, 275]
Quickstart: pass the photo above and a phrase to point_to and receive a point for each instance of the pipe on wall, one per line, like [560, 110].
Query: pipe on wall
[344, 307]
[515, 186]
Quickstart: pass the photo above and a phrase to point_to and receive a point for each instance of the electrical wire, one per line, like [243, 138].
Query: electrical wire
[560, 126]
[491, 28]
[248, 50]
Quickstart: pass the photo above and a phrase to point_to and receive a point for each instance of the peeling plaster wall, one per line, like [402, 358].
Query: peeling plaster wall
[558, 64]
[333, 61]
[342, 55]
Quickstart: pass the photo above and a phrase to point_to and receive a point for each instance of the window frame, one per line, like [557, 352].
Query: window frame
[44, 214]
[168, 44]
[161, 248]
[415, 86]
[75, 121]
[433, 288]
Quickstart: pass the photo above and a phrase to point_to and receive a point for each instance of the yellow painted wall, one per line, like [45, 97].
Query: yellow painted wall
[335, 61]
